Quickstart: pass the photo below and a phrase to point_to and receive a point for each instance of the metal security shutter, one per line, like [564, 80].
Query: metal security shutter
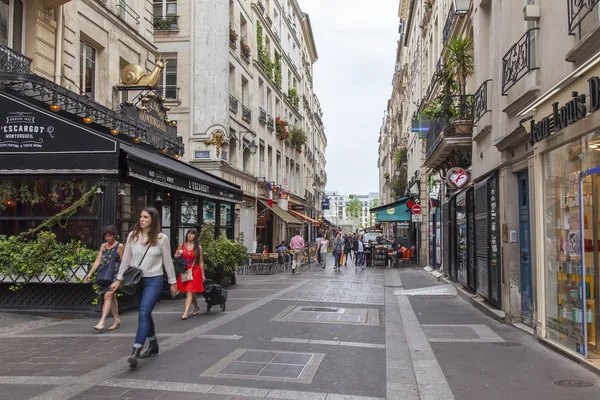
[445, 238]
[482, 258]
[494, 244]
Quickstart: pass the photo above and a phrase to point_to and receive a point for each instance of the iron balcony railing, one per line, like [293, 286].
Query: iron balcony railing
[269, 20]
[480, 101]
[260, 5]
[166, 23]
[12, 61]
[449, 24]
[517, 62]
[276, 33]
[233, 104]
[456, 120]
[577, 10]
[169, 92]
[246, 114]
[124, 9]
[270, 123]
[262, 115]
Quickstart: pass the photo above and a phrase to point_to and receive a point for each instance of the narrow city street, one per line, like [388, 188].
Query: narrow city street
[356, 334]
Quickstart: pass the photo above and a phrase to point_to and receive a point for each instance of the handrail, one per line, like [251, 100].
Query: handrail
[516, 63]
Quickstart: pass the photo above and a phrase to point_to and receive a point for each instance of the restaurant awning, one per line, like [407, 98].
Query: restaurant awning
[281, 213]
[178, 175]
[304, 217]
[392, 212]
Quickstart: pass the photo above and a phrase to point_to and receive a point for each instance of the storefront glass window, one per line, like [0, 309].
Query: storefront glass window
[189, 211]
[461, 227]
[129, 208]
[167, 213]
[562, 246]
[209, 212]
[225, 220]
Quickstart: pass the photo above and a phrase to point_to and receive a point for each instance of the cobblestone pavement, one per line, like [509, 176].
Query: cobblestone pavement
[325, 335]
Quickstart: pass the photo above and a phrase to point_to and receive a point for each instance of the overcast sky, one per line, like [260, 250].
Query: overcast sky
[356, 43]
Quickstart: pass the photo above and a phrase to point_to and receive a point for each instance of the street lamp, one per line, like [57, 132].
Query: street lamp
[461, 6]
[252, 146]
[397, 171]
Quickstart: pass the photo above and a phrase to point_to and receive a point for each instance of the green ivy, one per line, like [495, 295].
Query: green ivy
[259, 36]
[278, 76]
[42, 255]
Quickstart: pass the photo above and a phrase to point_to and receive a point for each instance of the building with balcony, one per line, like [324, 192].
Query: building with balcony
[525, 123]
[338, 214]
[86, 138]
[242, 92]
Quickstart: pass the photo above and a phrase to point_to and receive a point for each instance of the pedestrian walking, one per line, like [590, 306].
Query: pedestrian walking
[107, 263]
[297, 246]
[355, 248]
[323, 254]
[337, 248]
[191, 252]
[347, 249]
[149, 250]
[360, 245]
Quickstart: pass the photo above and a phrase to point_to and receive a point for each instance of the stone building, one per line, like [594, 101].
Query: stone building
[242, 66]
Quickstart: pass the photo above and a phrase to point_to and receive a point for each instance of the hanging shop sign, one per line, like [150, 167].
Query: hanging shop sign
[325, 204]
[457, 177]
[297, 207]
[153, 113]
[26, 129]
[576, 109]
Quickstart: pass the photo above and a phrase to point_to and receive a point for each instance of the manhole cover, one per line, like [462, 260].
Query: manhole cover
[573, 383]
[320, 309]
[507, 344]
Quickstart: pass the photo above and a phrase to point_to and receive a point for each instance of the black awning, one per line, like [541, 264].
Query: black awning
[178, 175]
[34, 140]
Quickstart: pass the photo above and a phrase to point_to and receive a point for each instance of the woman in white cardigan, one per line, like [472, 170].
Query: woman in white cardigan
[150, 250]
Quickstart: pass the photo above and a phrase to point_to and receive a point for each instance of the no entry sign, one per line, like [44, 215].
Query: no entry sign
[416, 209]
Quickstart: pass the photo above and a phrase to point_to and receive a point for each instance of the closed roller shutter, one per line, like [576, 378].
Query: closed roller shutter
[482, 257]
[445, 238]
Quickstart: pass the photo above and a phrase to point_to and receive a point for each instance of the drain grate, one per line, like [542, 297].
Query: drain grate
[320, 309]
[507, 344]
[573, 383]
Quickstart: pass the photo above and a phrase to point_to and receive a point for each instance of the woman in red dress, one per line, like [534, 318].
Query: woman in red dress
[191, 251]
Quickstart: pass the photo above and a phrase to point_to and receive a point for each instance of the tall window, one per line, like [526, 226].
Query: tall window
[269, 101]
[168, 80]
[245, 92]
[87, 69]
[11, 24]
[163, 8]
[270, 161]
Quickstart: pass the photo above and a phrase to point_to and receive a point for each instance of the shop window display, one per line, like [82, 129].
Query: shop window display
[572, 225]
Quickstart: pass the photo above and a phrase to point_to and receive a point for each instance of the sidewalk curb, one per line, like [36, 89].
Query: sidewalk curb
[474, 299]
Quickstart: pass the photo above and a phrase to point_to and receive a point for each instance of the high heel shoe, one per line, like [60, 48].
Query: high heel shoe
[116, 325]
[99, 327]
[184, 316]
[196, 311]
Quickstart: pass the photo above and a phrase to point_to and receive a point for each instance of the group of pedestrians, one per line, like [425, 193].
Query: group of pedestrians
[149, 250]
[343, 248]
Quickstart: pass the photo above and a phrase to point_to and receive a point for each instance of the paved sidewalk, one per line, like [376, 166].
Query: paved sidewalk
[349, 335]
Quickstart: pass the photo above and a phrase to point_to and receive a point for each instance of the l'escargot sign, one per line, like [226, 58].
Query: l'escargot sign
[457, 177]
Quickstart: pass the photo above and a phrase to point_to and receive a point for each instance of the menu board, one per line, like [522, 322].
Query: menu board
[380, 256]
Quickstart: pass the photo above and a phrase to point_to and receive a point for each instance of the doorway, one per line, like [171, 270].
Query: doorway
[525, 250]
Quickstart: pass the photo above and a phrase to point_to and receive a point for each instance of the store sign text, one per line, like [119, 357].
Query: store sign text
[576, 109]
[21, 131]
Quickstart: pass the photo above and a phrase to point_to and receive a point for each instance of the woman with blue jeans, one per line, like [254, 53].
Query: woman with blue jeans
[148, 249]
[337, 249]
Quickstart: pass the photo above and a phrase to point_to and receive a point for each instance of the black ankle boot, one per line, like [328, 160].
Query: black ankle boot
[134, 357]
[152, 350]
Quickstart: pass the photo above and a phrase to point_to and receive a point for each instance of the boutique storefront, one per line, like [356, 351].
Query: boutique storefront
[565, 133]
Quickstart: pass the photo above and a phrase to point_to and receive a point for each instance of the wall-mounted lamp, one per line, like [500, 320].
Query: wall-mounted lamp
[122, 192]
[252, 146]
[158, 198]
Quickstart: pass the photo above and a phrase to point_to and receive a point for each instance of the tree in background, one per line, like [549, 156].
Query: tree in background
[354, 207]
[374, 203]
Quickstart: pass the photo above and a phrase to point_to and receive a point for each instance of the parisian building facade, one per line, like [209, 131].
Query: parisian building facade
[506, 156]
[238, 71]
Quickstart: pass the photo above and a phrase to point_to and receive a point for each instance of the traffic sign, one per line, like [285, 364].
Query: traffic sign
[417, 218]
[416, 209]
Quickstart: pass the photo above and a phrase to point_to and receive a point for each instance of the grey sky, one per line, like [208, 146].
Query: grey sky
[356, 43]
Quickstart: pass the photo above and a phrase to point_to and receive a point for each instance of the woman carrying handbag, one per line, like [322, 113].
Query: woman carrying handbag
[147, 250]
[107, 264]
[191, 281]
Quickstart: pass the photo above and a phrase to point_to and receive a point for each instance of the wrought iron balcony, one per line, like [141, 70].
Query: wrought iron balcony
[517, 62]
[262, 116]
[480, 101]
[233, 104]
[270, 123]
[454, 126]
[169, 92]
[166, 23]
[449, 24]
[246, 114]
[269, 20]
[260, 5]
[12, 61]
[577, 10]
[276, 33]
[124, 10]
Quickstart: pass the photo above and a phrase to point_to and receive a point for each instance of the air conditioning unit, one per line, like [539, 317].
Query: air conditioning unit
[532, 12]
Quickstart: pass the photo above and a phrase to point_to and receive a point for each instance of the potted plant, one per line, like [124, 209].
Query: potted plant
[233, 36]
[281, 128]
[297, 138]
[221, 255]
[245, 48]
[386, 175]
[462, 65]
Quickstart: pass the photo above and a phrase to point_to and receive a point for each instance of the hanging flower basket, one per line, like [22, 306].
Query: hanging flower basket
[281, 128]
